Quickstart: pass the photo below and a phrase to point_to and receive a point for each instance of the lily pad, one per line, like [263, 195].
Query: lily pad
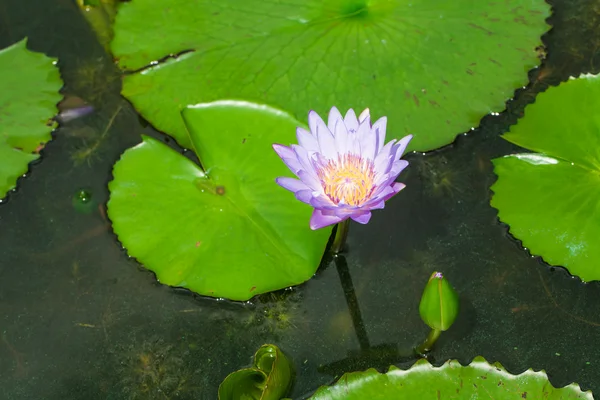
[477, 380]
[551, 198]
[269, 378]
[433, 67]
[225, 231]
[29, 92]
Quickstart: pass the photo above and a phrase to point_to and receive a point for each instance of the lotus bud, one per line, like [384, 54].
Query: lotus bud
[439, 303]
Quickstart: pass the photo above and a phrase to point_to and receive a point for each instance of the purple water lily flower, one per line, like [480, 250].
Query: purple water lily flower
[344, 168]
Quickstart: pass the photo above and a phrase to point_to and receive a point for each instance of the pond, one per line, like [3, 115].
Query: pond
[80, 319]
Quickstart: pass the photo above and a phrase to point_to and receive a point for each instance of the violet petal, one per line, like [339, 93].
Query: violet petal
[403, 143]
[351, 121]
[291, 184]
[340, 134]
[326, 141]
[304, 195]
[397, 167]
[303, 159]
[284, 151]
[364, 116]
[379, 129]
[310, 181]
[322, 202]
[367, 141]
[307, 140]
[362, 218]
[291, 161]
[334, 118]
[319, 220]
[398, 186]
[314, 120]
[377, 205]
[382, 194]
[382, 166]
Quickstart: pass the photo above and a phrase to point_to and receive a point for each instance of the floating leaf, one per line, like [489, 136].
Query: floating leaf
[477, 380]
[551, 199]
[28, 97]
[229, 232]
[433, 67]
[269, 378]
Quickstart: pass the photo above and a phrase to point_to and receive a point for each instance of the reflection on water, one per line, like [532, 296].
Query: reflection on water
[80, 320]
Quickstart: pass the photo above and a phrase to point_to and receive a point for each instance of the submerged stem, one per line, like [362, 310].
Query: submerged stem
[340, 236]
[427, 345]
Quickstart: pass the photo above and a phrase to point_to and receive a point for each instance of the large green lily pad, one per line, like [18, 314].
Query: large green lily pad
[478, 380]
[269, 378]
[551, 198]
[29, 92]
[434, 67]
[228, 230]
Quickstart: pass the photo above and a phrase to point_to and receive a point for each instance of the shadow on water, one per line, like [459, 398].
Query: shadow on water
[80, 320]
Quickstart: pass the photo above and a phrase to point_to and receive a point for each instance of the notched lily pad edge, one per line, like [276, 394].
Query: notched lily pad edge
[478, 361]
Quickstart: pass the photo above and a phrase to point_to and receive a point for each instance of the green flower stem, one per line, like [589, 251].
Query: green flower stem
[427, 345]
[341, 234]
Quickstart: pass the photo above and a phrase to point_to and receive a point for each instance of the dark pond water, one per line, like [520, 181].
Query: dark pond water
[79, 320]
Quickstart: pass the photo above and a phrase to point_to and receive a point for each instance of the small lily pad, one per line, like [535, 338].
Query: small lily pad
[478, 380]
[551, 198]
[269, 378]
[225, 231]
[29, 92]
[433, 67]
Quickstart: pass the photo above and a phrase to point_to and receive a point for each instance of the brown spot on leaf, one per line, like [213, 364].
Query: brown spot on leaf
[253, 288]
[220, 190]
[416, 100]
[470, 72]
[481, 28]
[243, 140]
[434, 103]
[524, 395]
[198, 243]
[520, 20]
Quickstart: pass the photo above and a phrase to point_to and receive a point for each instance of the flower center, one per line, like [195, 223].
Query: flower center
[348, 180]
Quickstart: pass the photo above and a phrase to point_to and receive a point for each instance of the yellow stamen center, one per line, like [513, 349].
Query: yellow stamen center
[349, 179]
